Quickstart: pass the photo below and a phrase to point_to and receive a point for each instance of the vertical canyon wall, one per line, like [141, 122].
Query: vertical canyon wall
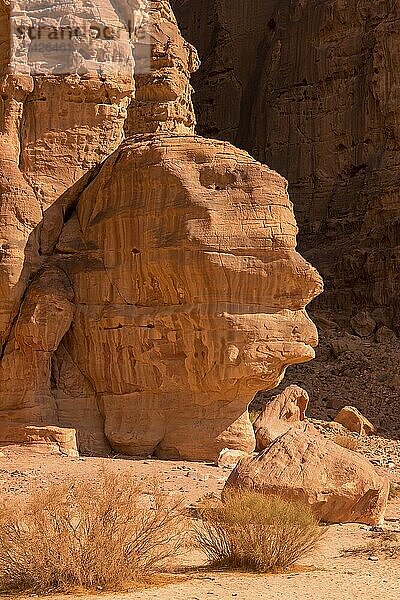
[53, 129]
[310, 87]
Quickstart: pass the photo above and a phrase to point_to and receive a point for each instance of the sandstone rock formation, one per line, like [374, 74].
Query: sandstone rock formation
[187, 298]
[163, 98]
[340, 485]
[348, 369]
[165, 285]
[228, 458]
[310, 87]
[49, 439]
[353, 420]
[53, 129]
[283, 412]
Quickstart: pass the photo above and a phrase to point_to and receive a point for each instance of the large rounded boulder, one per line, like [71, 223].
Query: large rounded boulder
[339, 484]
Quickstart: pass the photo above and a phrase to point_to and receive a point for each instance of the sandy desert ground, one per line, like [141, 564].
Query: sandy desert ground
[326, 574]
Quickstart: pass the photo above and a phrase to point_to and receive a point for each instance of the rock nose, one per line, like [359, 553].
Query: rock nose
[309, 280]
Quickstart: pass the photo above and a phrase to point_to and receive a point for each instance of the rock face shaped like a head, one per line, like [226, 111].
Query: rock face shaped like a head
[173, 291]
[192, 296]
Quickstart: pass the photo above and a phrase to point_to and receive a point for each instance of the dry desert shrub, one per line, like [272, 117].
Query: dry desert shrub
[255, 532]
[347, 442]
[90, 536]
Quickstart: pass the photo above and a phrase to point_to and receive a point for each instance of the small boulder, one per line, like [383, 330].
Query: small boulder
[49, 438]
[384, 335]
[281, 414]
[363, 324]
[340, 486]
[354, 421]
[345, 343]
[229, 458]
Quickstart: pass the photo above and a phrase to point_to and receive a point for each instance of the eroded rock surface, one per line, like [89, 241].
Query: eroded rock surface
[188, 297]
[57, 440]
[165, 285]
[353, 420]
[283, 412]
[163, 98]
[53, 129]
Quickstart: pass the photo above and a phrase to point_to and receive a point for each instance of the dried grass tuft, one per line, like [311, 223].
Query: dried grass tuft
[255, 532]
[86, 536]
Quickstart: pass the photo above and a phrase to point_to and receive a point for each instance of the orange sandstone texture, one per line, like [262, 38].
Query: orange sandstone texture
[353, 420]
[53, 129]
[283, 412]
[188, 297]
[165, 288]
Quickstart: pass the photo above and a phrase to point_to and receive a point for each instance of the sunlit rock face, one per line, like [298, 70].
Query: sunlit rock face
[163, 98]
[311, 87]
[188, 293]
[165, 286]
[61, 113]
